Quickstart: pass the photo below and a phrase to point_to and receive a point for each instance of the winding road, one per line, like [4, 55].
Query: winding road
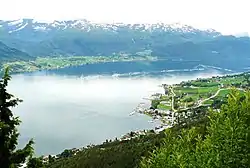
[200, 103]
[173, 95]
[216, 94]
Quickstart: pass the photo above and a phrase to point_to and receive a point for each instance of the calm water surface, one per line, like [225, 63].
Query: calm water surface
[63, 111]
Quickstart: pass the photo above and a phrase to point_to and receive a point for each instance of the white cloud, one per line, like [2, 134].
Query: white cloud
[227, 16]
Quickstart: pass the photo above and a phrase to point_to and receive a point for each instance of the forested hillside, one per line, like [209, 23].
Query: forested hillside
[210, 127]
[221, 140]
[11, 54]
[225, 143]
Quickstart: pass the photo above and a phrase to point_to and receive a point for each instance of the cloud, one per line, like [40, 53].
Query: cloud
[228, 16]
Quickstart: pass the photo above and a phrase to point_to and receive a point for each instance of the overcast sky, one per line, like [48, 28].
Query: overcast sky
[227, 16]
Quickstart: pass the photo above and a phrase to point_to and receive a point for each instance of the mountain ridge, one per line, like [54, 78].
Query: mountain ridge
[85, 38]
[84, 24]
[82, 37]
[7, 53]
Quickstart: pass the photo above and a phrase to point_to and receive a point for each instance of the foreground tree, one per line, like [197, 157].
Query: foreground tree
[247, 78]
[10, 157]
[225, 143]
[35, 163]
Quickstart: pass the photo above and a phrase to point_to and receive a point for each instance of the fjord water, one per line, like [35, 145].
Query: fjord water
[65, 110]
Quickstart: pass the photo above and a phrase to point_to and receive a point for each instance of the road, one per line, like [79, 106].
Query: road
[173, 95]
[200, 103]
[216, 94]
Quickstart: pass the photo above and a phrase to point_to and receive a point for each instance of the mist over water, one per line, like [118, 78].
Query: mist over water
[61, 111]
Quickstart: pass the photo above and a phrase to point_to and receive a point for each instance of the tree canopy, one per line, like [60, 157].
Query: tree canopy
[10, 157]
[226, 142]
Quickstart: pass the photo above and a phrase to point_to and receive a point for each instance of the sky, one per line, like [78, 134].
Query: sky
[226, 16]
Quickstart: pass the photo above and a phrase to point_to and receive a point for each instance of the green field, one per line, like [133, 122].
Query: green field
[208, 102]
[205, 84]
[44, 63]
[163, 107]
[202, 91]
[198, 90]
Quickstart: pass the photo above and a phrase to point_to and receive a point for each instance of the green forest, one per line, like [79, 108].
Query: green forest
[219, 138]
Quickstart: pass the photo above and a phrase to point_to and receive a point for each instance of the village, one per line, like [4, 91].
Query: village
[184, 100]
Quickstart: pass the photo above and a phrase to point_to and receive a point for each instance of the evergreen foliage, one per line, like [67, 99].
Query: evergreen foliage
[225, 143]
[35, 163]
[10, 157]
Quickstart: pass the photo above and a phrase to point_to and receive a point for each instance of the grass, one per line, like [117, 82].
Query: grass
[205, 84]
[43, 63]
[208, 102]
[230, 80]
[198, 90]
[223, 93]
[203, 88]
[164, 98]
[163, 107]
[187, 90]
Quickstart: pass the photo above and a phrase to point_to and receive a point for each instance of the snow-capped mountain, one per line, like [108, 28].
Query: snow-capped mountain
[7, 53]
[82, 37]
[13, 26]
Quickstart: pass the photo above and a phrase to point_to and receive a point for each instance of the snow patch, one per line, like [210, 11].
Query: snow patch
[147, 26]
[86, 25]
[42, 28]
[79, 22]
[20, 28]
[42, 21]
[176, 25]
[15, 22]
[55, 24]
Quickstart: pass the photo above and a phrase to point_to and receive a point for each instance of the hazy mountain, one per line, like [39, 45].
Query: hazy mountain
[8, 53]
[81, 37]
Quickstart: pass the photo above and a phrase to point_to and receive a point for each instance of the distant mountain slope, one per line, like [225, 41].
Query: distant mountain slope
[81, 37]
[12, 54]
[221, 47]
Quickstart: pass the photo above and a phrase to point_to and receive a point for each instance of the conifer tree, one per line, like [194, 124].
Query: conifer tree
[10, 157]
[247, 78]
[35, 163]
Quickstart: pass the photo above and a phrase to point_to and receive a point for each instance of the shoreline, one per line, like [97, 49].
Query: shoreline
[171, 114]
[54, 63]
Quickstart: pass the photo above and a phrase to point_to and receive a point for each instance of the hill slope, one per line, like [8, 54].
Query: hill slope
[166, 41]
[199, 136]
[12, 54]
[81, 37]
